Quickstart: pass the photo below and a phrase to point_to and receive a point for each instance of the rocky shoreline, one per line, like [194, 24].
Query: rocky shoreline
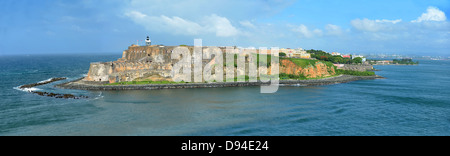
[82, 85]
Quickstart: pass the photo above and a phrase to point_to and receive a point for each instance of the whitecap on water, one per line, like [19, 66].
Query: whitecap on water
[100, 96]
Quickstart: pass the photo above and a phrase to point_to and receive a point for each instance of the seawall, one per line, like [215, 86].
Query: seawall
[80, 85]
[358, 67]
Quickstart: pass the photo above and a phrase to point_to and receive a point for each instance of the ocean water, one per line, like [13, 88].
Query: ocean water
[413, 100]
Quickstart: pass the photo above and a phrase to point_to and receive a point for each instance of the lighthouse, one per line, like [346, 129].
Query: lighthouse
[148, 42]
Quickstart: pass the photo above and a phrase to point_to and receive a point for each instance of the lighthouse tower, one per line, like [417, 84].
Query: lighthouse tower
[148, 42]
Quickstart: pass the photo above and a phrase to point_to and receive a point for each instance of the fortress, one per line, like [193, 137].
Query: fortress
[154, 62]
[149, 62]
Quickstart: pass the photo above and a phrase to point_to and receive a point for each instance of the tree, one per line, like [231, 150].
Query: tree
[282, 54]
[332, 59]
[339, 59]
[357, 60]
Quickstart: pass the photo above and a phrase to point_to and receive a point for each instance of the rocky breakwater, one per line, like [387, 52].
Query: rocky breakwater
[59, 96]
[42, 82]
[55, 95]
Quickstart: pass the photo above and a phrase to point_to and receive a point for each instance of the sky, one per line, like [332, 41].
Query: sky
[410, 27]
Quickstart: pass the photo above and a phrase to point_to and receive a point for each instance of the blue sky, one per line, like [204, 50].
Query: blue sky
[414, 27]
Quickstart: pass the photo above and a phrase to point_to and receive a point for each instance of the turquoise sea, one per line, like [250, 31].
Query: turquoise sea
[413, 100]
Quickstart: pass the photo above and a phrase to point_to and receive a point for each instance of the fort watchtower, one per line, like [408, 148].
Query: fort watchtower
[148, 42]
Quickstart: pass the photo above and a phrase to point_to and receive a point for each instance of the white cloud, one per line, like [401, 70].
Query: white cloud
[373, 25]
[388, 21]
[333, 30]
[221, 26]
[135, 14]
[365, 25]
[180, 25]
[432, 14]
[305, 32]
[214, 21]
[318, 32]
[190, 9]
[247, 24]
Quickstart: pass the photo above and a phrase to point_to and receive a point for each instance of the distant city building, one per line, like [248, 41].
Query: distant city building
[289, 52]
[362, 57]
[300, 53]
[335, 54]
[383, 62]
[355, 56]
[297, 53]
[346, 56]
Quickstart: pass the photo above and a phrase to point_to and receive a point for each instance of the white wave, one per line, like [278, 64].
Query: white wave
[100, 96]
[27, 89]
[292, 85]
[48, 80]
[44, 81]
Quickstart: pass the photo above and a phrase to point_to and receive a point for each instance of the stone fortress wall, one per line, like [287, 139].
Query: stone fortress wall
[138, 63]
[151, 62]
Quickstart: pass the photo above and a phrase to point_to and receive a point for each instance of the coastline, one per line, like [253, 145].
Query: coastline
[82, 85]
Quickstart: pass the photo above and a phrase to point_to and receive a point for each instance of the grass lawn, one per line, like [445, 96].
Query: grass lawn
[303, 62]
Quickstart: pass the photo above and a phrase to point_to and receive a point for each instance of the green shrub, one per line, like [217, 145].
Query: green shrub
[302, 62]
[355, 73]
[285, 76]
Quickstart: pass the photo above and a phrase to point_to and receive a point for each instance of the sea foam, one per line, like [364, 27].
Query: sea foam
[44, 81]
[27, 89]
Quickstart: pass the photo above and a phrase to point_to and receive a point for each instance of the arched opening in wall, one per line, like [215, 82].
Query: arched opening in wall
[99, 79]
[148, 55]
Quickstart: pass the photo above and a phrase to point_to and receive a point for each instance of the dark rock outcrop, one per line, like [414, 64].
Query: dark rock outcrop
[59, 96]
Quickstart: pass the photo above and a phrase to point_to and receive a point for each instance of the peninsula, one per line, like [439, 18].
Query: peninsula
[151, 67]
[405, 61]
